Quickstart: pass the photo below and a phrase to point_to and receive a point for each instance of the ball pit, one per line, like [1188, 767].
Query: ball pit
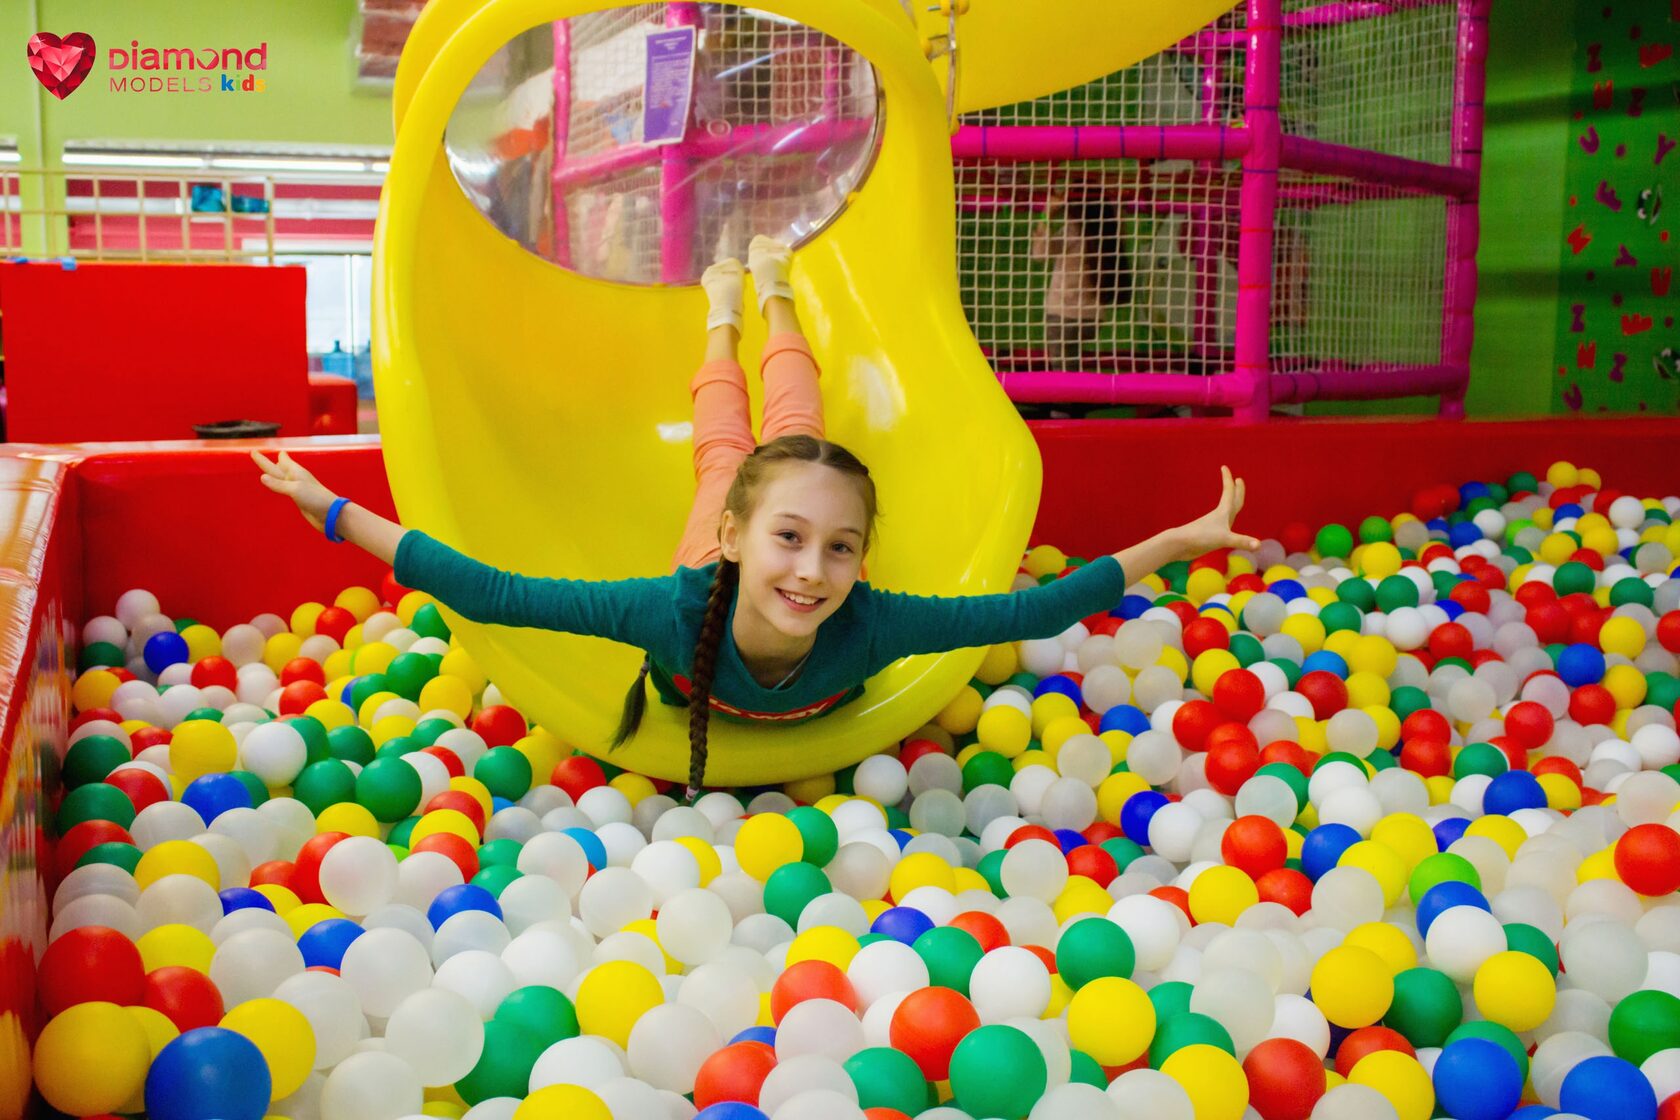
[1385, 826]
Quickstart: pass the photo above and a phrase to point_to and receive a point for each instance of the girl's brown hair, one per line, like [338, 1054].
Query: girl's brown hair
[754, 471]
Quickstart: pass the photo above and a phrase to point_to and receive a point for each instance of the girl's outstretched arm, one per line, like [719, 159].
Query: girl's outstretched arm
[1206, 533]
[361, 527]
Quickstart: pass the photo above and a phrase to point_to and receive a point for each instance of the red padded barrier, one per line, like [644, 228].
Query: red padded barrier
[145, 351]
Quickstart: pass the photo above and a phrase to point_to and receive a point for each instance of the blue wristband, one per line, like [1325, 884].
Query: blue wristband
[331, 524]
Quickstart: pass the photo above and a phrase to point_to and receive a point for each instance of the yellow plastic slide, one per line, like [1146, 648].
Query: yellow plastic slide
[538, 420]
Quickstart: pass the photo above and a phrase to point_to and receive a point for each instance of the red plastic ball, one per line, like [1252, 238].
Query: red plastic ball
[1516, 758]
[451, 761]
[1231, 763]
[215, 670]
[1285, 1079]
[917, 749]
[302, 669]
[1669, 1109]
[1239, 694]
[1092, 862]
[150, 737]
[277, 872]
[73, 845]
[734, 1073]
[927, 1026]
[1178, 896]
[1194, 722]
[459, 852]
[1425, 723]
[390, 591]
[578, 775]
[1648, 859]
[1369, 1040]
[1549, 621]
[1030, 832]
[1532, 594]
[335, 622]
[1451, 640]
[184, 996]
[295, 698]
[1254, 845]
[1098, 831]
[462, 802]
[1325, 691]
[141, 787]
[810, 979]
[1290, 752]
[1556, 765]
[1297, 536]
[1286, 887]
[1590, 704]
[1185, 612]
[1427, 758]
[110, 715]
[306, 870]
[988, 930]
[500, 725]
[1668, 635]
[1204, 634]
[90, 963]
[1472, 596]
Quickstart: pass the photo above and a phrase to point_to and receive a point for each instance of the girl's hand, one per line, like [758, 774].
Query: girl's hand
[1213, 530]
[286, 477]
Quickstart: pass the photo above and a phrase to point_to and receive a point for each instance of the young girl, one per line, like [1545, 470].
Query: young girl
[766, 617]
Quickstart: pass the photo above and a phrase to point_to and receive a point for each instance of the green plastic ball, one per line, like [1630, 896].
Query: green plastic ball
[997, 1070]
[1525, 938]
[254, 785]
[214, 715]
[1188, 1028]
[505, 772]
[504, 1068]
[92, 758]
[324, 783]
[1341, 616]
[950, 954]
[986, 768]
[1643, 1023]
[408, 673]
[350, 744]
[1427, 1006]
[427, 731]
[100, 655]
[1440, 868]
[1170, 998]
[887, 1078]
[1374, 529]
[1480, 758]
[1334, 540]
[1396, 591]
[1574, 578]
[542, 1010]
[114, 852]
[314, 732]
[503, 852]
[428, 623]
[365, 686]
[95, 801]
[817, 829]
[990, 868]
[1358, 592]
[389, 788]
[495, 878]
[1632, 589]
[1091, 948]
[791, 887]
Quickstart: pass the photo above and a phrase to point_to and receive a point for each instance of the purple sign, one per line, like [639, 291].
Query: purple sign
[670, 84]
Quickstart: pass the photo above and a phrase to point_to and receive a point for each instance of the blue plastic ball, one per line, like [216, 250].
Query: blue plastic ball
[1580, 664]
[462, 896]
[766, 1035]
[1513, 790]
[1124, 717]
[1323, 661]
[593, 850]
[1440, 898]
[324, 942]
[244, 898]
[1607, 1088]
[1470, 491]
[1465, 532]
[1288, 589]
[214, 794]
[730, 1110]
[1059, 683]
[901, 923]
[1566, 510]
[901, 837]
[1448, 831]
[1069, 840]
[1132, 606]
[1476, 1079]
[1323, 847]
[1136, 813]
[164, 649]
[1452, 608]
[208, 1073]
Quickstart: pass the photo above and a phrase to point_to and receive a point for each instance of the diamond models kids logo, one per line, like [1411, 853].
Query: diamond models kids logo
[61, 64]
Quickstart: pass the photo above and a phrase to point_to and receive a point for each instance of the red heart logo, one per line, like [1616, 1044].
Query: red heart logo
[61, 64]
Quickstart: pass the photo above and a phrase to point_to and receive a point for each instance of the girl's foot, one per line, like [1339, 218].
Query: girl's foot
[722, 283]
[769, 260]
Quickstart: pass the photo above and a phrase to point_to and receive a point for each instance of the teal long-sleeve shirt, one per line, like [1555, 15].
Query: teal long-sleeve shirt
[662, 615]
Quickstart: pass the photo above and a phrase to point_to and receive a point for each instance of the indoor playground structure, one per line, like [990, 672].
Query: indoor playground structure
[1379, 820]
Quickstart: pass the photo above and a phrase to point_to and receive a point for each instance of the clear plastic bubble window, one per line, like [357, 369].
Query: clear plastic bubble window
[640, 144]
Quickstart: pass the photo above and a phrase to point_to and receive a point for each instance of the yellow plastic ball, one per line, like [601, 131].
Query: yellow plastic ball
[386, 728]
[305, 917]
[94, 689]
[361, 602]
[1387, 942]
[1212, 664]
[1115, 791]
[303, 618]
[410, 605]
[1305, 629]
[920, 869]
[1221, 894]
[1173, 659]
[613, 995]
[1601, 539]
[705, 855]
[200, 747]
[562, 1102]
[1562, 474]
[1049, 708]
[475, 789]
[202, 641]
[1202, 585]
[449, 693]
[1627, 685]
[91, 1058]
[444, 820]
[1352, 986]
[374, 657]
[1367, 690]
[1112, 1020]
[960, 716]
[633, 786]
[1080, 896]
[1212, 1079]
[1408, 836]
[1589, 477]
[1379, 560]
[280, 649]
[1005, 730]
[348, 817]
[809, 791]
[281, 898]
[999, 664]
[1383, 864]
[824, 943]
[768, 841]
[1061, 730]
[1374, 653]
[458, 663]
[177, 857]
[1561, 793]
[332, 714]
[968, 879]
[176, 945]
[1515, 990]
[649, 928]
[1504, 831]
[283, 1036]
[1400, 1080]
[1045, 560]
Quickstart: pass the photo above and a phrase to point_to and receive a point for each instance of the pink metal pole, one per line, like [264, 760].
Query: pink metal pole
[1122, 388]
[562, 136]
[1046, 143]
[677, 210]
[1318, 157]
[1364, 384]
[1325, 15]
[1250, 381]
[604, 165]
[1458, 322]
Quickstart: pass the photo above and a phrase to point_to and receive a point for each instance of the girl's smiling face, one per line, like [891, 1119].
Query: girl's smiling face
[800, 551]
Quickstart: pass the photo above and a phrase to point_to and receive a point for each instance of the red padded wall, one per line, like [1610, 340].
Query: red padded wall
[145, 351]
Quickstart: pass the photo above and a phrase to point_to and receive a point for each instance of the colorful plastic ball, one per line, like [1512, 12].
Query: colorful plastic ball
[1608, 1088]
[793, 886]
[211, 795]
[1445, 895]
[1111, 1019]
[208, 1074]
[1352, 986]
[185, 996]
[1212, 1079]
[1285, 1079]
[1476, 1079]
[901, 923]
[613, 996]
[91, 1058]
[1514, 990]
[1647, 859]
[563, 1102]
[389, 788]
[89, 964]
[1401, 1081]
[464, 896]
[504, 1063]
[736, 1073]
[808, 980]
[164, 649]
[505, 772]
[950, 955]
[928, 1024]
[997, 1070]
[1580, 664]
[323, 944]
[767, 842]
[1643, 1023]
[731, 1110]
[885, 1079]
[1091, 948]
[283, 1035]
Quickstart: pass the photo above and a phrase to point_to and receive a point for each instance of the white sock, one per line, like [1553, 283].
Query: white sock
[722, 283]
[769, 260]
